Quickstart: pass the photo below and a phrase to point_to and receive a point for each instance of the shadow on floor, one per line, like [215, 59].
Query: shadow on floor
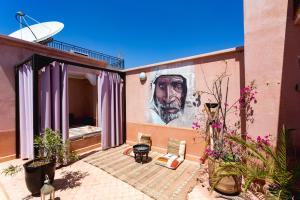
[70, 179]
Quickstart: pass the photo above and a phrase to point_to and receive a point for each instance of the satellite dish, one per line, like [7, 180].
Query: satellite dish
[37, 32]
[42, 31]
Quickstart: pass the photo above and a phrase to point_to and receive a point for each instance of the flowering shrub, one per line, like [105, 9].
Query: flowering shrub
[229, 143]
[220, 126]
[245, 102]
[216, 125]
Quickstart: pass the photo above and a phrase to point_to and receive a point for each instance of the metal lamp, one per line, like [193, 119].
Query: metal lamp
[143, 76]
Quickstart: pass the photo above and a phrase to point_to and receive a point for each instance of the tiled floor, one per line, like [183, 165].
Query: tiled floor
[88, 182]
[84, 182]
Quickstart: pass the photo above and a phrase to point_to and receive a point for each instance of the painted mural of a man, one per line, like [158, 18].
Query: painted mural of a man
[169, 96]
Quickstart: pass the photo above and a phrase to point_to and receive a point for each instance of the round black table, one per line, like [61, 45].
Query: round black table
[141, 151]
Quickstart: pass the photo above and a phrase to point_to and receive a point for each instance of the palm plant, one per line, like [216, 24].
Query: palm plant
[264, 164]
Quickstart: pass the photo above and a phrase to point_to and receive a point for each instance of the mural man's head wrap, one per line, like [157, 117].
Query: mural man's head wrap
[169, 95]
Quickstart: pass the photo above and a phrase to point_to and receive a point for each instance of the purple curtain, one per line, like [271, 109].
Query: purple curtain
[54, 98]
[26, 110]
[45, 98]
[110, 109]
[65, 103]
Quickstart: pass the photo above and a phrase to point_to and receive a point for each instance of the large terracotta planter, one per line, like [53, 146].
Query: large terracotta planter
[230, 185]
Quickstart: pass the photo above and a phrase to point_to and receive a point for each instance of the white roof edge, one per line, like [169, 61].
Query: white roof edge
[229, 50]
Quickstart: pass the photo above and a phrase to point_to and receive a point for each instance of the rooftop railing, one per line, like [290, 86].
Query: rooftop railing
[112, 61]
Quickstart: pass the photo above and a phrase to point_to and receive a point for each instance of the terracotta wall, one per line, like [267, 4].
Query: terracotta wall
[82, 98]
[206, 69]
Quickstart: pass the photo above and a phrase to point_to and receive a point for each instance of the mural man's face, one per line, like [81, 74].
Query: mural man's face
[170, 93]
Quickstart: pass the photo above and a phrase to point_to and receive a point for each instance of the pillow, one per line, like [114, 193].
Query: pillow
[174, 164]
[182, 149]
[162, 159]
[169, 160]
[145, 139]
[173, 147]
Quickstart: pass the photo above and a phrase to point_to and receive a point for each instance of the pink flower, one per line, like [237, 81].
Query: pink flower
[266, 142]
[263, 141]
[195, 125]
[232, 133]
[216, 125]
[258, 139]
[208, 151]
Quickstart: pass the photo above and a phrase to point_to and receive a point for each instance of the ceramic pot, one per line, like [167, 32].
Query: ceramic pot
[230, 185]
[35, 175]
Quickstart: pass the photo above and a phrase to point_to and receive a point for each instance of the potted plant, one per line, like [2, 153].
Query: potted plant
[223, 153]
[51, 152]
[267, 166]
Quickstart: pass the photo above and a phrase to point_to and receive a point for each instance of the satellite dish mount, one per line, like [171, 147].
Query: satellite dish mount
[20, 17]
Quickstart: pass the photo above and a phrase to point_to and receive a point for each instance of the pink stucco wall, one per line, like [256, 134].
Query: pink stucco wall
[206, 68]
[265, 23]
[10, 56]
[82, 99]
[289, 109]
[271, 50]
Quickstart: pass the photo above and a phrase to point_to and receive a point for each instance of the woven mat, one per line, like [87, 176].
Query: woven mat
[156, 181]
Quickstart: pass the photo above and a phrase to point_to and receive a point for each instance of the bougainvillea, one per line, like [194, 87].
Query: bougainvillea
[223, 124]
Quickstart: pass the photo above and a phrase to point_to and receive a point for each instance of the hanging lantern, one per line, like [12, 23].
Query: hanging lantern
[47, 189]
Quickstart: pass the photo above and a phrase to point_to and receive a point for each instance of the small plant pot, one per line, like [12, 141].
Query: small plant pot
[230, 185]
[35, 175]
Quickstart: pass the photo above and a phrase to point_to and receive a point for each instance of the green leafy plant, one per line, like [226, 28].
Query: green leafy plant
[51, 148]
[264, 165]
[68, 156]
[49, 145]
[11, 170]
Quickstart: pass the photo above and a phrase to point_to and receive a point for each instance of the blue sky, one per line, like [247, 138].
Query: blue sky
[143, 32]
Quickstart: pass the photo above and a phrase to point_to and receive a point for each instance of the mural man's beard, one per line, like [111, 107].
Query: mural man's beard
[169, 111]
